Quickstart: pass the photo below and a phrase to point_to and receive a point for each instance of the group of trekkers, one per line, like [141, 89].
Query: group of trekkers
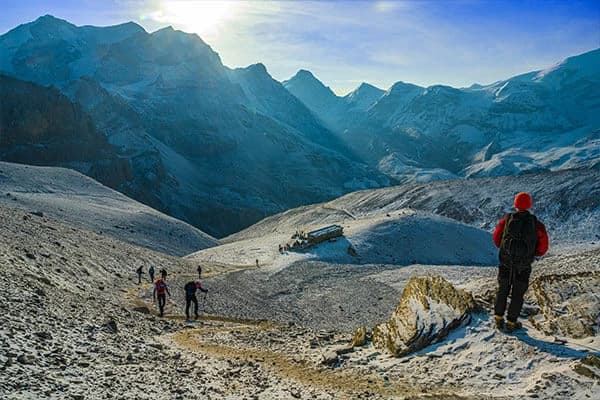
[301, 239]
[161, 290]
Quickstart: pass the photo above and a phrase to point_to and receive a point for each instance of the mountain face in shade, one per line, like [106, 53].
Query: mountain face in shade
[541, 120]
[40, 126]
[219, 148]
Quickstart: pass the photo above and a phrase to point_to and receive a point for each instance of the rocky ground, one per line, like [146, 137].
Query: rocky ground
[75, 324]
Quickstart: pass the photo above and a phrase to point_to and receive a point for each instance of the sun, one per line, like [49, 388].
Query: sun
[204, 17]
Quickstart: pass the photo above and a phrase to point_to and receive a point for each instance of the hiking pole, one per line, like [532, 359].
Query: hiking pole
[204, 302]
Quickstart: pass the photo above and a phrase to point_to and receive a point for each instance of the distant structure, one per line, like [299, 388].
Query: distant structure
[302, 241]
[326, 233]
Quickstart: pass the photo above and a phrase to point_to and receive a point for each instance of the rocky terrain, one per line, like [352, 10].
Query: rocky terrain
[430, 307]
[328, 290]
[77, 325]
[73, 327]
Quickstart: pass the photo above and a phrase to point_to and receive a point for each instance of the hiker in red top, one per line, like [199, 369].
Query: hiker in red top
[520, 238]
[161, 290]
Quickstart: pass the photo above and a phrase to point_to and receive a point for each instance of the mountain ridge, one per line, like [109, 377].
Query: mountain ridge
[189, 152]
[207, 143]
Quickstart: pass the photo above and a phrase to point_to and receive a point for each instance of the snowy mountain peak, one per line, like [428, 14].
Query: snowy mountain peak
[304, 74]
[49, 19]
[311, 91]
[364, 96]
[170, 33]
[46, 26]
[367, 86]
[401, 86]
[585, 65]
[166, 30]
[308, 80]
[258, 68]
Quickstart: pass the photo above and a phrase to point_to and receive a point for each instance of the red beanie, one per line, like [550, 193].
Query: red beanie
[523, 201]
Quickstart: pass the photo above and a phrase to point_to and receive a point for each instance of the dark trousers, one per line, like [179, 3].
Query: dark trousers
[151, 276]
[162, 300]
[515, 283]
[139, 278]
[188, 302]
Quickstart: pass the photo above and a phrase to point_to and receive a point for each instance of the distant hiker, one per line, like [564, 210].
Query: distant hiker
[139, 272]
[163, 273]
[199, 271]
[161, 290]
[520, 238]
[190, 297]
[257, 265]
[151, 273]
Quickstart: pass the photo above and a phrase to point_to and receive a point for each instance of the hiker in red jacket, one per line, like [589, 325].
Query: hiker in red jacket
[520, 238]
[161, 290]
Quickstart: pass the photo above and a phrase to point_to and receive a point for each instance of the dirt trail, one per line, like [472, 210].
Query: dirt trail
[285, 366]
[300, 370]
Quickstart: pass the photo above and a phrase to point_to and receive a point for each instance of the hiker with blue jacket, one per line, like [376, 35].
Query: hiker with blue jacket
[190, 297]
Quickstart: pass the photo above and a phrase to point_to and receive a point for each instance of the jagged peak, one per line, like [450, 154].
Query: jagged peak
[165, 30]
[365, 89]
[364, 95]
[439, 89]
[366, 86]
[258, 67]
[304, 73]
[170, 32]
[400, 85]
[48, 18]
[307, 78]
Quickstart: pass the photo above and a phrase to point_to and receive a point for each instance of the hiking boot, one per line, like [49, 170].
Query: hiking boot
[499, 322]
[513, 326]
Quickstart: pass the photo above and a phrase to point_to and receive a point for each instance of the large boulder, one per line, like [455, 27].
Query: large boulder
[569, 304]
[429, 308]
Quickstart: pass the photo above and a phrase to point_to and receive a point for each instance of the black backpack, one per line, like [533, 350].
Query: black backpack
[190, 288]
[519, 240]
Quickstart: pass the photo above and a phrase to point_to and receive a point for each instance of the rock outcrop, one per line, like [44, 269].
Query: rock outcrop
[429, 308]
[569, 304]
[360, 337]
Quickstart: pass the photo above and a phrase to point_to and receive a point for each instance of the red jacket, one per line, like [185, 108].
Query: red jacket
[542, 242]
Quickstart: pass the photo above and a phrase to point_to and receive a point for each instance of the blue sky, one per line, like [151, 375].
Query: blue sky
[343, 43]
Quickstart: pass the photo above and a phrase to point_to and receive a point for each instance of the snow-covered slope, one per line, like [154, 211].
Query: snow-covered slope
[319, 98]
[363, 97]
[536, 121]
[401, 238]
[41, 126]
[69, 196]
[568, 202]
